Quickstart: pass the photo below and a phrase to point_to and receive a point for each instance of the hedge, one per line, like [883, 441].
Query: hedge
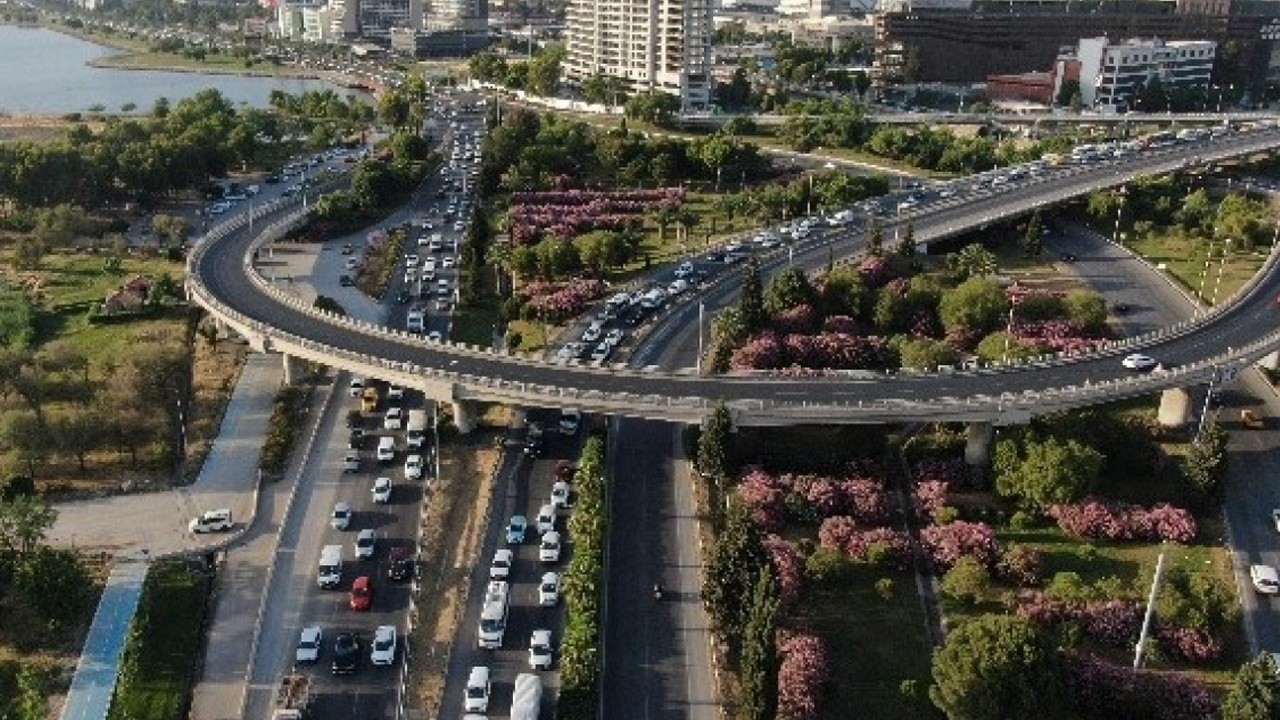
[584, 587]
[287, 414]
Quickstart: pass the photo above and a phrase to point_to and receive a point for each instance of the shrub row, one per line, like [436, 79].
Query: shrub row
[583, 587]
[287, 414]
[776, 500]
[1106, 520]
[379, 262]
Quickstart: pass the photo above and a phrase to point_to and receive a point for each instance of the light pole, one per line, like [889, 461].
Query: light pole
[1204, 275]
[1151, 608]
[1119, 213]
[1222, 265]
[1008, 333]
[701, 310]
[1208, 402]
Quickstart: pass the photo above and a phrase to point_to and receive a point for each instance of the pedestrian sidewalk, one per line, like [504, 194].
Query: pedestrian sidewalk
[94, 683]
[157, 522]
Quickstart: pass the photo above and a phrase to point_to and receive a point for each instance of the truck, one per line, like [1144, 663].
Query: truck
[416, 427]
[526, 700]
[293, 695]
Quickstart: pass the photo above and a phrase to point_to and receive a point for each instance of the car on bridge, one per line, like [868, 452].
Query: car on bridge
[1139, 362]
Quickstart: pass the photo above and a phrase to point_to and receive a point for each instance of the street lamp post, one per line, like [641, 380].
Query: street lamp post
[1146, 619]
[1222, 265]
[1204, 274]
[701, 310]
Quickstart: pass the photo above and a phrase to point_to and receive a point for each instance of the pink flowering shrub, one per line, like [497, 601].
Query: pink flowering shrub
[929, 497]
[560, 301]
[1099, 689]
[945, 544]
[789, 565]
[1189, 644]
[765, 496]
[800, 320]
[891, 547]
[1056, 335]
[841, 324]
[874, 270]
[1021, 565]
[802, 671]
[1114, 623]
[1108, 520]
[568, 213]
[836, 351]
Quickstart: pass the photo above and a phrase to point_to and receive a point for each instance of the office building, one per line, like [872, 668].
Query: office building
[378, 17]
[964, 41]
[1111, 73]
[662, 45]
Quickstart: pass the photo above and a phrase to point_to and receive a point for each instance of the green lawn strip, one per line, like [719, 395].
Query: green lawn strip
[1185, 259]
[163, 647]
[473, 324]
[873, 645]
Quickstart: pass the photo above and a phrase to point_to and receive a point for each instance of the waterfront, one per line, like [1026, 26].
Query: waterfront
[49, 73]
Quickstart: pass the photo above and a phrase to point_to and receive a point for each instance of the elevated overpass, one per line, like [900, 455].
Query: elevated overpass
[707, 121]
[223, 280]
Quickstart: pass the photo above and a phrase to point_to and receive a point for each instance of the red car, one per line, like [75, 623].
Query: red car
[362, 593]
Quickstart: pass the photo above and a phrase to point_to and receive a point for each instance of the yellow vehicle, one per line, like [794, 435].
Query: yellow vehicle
[369, 400]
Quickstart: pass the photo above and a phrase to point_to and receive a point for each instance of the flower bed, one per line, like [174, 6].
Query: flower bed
[837, 351]
[1106, 520]
[568, 213]
[556, 302]
[801, 674]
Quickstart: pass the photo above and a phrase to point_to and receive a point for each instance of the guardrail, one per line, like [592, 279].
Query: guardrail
[680, 407]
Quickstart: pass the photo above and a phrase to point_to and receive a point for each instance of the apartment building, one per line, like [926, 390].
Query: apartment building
[662, 45]
[377, 17]
[1111, 73]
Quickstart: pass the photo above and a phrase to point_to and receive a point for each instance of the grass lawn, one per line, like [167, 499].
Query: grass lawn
[474, 323]
[1185, 260]
[163, 646]
[873, 645]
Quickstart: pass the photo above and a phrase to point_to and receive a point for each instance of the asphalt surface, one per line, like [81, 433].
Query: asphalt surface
[223, 273]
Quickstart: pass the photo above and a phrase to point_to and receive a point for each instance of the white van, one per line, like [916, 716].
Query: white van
[330, 573]
[413, 321]
[211, 521]
[493, 615]
[417, 428]
[386, 449]
[526, 698]
[477, 694]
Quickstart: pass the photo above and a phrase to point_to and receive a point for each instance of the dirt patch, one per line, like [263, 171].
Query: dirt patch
[36, 128]
[215, 368]
[460, 500]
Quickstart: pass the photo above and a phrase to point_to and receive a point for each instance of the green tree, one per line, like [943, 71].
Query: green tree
[1033, 237]
[1253, 692]
[751, 303]
[971, 261]
[758, 671]
[1065, 91]
[997, 667]
[715, 444]
[788, 289]
[907, 248]
[1087, 308]
[927, 354]
[977, 305]
[875, 237]
[31, 703]
[44, 568]
[737, 558]
[328, 304]
[24, 521]
[1205, 466]
[1046, 472]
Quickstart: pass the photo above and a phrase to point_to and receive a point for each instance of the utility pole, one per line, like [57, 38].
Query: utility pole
[702, 308]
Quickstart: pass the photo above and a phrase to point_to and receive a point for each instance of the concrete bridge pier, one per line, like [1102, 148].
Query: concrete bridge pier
[295, 368]
[977, 449]
[1175, 408]
[464, 415]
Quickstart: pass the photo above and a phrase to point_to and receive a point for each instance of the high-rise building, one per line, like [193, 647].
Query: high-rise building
[662, 45]
[1111, 73]
[377, 17]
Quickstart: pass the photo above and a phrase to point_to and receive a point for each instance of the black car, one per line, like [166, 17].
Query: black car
[271, 179]
[401, 563]
[346, 654]
[355, 439]
[402, 297]
[346, 281]
[1120, 308]
[347, 249]
[355, 419]
[1068, 257]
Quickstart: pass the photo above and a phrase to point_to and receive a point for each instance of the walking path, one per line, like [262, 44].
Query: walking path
[95, 680]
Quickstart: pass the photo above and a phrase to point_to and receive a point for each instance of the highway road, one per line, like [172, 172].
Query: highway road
[223, 273]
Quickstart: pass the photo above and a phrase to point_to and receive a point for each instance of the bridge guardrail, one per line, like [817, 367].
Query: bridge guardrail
[278, 228]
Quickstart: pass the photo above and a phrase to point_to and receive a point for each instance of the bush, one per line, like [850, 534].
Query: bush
[1022, 520]
[1021, 566]
[946, 515]
[801, 675]
[885, 588]
[1104, 520]
[287, 415]
[583, 584]
[789, 566]
[1102, 690]
[944, 545]
[828, 566]
[967, 581]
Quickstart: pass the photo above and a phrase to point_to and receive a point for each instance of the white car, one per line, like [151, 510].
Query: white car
[352, 263]
[395, 392]
[549, 590]
[341, 517]
[477, 693]
[365, 542]
[570, 351]
[677, 286]
[447, 262]
[592, 333]
[384, 645]
[211, 521]
[382, 490]
[540, 650]
[1265, 579]
[411, 261]
[1275, 518]
[549, 550]
[393, 418]
[546, 518]
[309, 645]
[516, 529]
[602, 352]
[413, 467]
[1139, 362]
[615, 337]
[501, 567]
[560, 494]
